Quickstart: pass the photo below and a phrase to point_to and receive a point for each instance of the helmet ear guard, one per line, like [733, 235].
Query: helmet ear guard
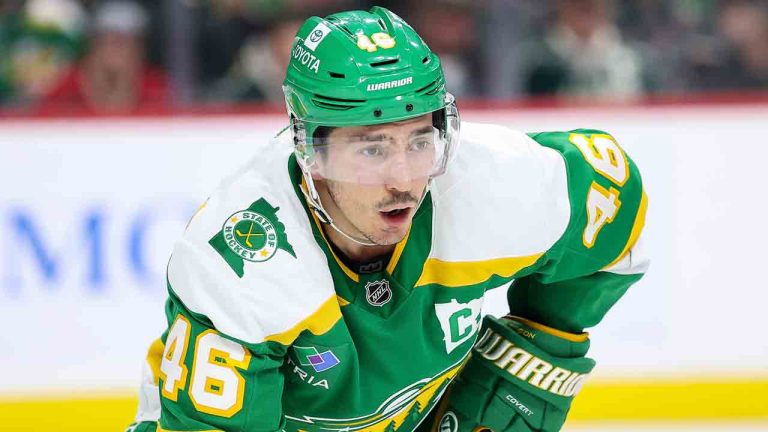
[448, 122]
[301, 147]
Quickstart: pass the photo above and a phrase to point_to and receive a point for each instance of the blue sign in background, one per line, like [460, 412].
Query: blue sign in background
[28, 244]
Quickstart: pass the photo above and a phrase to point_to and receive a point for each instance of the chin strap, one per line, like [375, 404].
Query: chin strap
[313, 199]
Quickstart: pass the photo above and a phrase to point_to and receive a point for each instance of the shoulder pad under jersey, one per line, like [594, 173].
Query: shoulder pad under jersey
[510, 200]
[502, 204]
[248, 261]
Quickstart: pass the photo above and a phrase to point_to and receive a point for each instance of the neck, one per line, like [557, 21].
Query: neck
[352, 250]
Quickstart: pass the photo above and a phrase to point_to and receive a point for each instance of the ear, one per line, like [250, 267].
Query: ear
[317, 166]
[316, 176]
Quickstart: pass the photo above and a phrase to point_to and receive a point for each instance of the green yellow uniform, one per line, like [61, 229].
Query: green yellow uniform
[268, 329]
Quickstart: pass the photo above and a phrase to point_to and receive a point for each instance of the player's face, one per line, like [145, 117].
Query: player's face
[381, 206]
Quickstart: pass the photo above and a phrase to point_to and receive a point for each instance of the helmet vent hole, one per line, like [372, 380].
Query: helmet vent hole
[384, 63]
[331, 106]
[377, 113]
[425, 60]
[332, 103]
[346, 30]
[337, 75]
[429, 89]
[382, 25]
[409, 107]
[333, 99]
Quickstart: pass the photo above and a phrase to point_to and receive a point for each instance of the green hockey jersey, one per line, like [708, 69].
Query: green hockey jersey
[269, 330]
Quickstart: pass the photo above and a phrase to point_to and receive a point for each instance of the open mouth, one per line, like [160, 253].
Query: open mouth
[396, 216]
[394, 212]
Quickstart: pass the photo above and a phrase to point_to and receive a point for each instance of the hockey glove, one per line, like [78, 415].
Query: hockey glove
[522, 376]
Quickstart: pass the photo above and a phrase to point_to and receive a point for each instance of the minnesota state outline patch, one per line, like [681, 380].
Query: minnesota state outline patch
[254, 234]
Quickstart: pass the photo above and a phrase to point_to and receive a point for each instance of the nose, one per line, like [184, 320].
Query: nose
[400, 186]
[398, 173]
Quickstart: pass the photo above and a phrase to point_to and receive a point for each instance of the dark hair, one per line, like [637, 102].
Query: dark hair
[320, 135]
[322, 132]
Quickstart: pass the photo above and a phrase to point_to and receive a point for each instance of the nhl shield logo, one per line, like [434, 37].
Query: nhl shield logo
[378, 293]
[449, 422]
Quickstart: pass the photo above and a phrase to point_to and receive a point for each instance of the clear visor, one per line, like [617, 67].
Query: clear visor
[382, 154]
[380, 158]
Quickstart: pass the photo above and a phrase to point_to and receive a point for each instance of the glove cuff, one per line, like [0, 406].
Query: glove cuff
[553, 341]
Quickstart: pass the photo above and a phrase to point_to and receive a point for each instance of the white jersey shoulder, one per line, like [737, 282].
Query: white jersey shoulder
[248, 260]
[504, 196]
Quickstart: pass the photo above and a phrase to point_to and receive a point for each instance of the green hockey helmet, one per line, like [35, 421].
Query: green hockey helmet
[362, 68]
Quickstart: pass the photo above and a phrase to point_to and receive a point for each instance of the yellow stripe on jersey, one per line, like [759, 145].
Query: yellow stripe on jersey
[352, 275]
[398, 251]
[342, 301]
[199, 209]
[573, 337]
[154, 357]
[457, 274]
[409, 399]
[321, 321]
[637, 228]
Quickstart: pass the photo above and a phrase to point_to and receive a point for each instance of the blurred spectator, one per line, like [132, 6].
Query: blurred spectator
[583, 55]
[222, 26]
[735, 57]
[39, 39]
[258, 71]
[113, 77]
[659, 30]
[449, 28]
[236, 50]
[744, 26]
[257, 64]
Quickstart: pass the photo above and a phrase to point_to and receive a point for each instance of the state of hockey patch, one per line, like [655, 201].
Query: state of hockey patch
[254, 234]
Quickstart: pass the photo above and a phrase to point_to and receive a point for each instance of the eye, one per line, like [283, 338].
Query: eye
[420, 145]
[372, 151]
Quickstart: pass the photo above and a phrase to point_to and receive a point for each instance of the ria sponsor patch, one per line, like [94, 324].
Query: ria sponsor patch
[320, 361]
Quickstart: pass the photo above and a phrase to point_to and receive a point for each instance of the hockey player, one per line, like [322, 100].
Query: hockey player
[336, 281]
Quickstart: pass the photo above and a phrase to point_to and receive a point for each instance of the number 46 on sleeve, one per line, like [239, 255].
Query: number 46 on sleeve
[217, 387]
[606, 158]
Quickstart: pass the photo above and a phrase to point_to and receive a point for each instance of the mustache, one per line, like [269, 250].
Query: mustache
[399, 198]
